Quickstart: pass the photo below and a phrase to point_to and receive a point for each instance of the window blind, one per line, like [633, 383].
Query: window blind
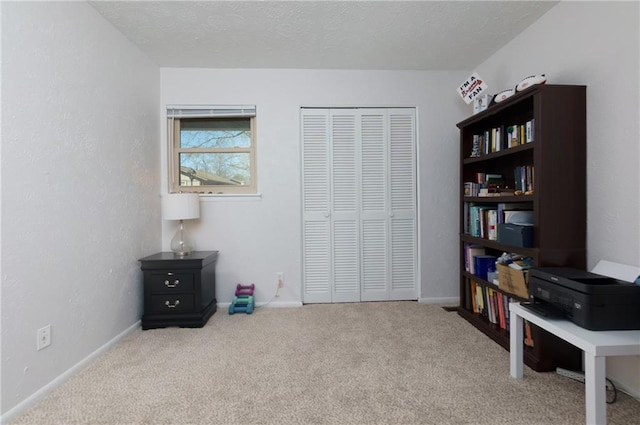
[210, 111]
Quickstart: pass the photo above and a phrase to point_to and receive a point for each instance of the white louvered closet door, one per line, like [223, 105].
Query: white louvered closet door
[375, 205]
[344, 201]
[402, 215]
[359, 205]
[388, 207]
[316, 235]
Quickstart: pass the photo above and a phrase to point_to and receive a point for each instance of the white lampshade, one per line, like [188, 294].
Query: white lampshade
[180, 206]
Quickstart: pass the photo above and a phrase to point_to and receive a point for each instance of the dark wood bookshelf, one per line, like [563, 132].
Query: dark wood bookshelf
[557, 155]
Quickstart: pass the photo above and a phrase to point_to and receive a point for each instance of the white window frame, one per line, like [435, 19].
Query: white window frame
[177, 112]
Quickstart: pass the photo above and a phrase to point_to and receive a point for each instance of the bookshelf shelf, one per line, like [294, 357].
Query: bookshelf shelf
[534, 142]
[493, 155]
[498, 199]
[497, 246]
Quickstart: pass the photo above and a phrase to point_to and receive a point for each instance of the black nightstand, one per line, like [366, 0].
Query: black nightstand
[179, 291]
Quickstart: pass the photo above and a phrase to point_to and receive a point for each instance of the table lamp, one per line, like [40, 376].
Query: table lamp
[181, 206]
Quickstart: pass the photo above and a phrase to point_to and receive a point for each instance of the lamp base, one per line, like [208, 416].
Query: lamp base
[179, 244]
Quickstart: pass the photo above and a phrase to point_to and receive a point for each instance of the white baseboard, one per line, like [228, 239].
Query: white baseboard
[280, 304]
[270, 304]
[633, 392]
[34, 398]
[453, 301]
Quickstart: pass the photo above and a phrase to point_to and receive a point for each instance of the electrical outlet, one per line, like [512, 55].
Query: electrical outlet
[43, 337]
[280, 279]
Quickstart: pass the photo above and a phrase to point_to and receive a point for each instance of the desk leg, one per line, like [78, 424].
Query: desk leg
[516, 336]
[595, 389]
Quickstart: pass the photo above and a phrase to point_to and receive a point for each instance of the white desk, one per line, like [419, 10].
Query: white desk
[597, 345]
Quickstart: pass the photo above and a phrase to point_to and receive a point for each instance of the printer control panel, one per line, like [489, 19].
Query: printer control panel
[555, 301]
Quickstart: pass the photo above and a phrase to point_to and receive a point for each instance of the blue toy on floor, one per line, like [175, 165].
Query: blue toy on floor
[243, 301]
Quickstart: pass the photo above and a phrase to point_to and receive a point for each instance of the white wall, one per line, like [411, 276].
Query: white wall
[595, 44]
[258, 237]
[80, 176]
[82, 157]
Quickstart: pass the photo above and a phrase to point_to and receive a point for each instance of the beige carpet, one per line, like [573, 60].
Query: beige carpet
[368, 363]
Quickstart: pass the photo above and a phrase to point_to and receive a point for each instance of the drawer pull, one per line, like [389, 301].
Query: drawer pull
[168, 303]
[172, 285]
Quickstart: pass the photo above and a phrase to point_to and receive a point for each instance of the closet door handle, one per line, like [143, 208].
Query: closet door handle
[327, 214]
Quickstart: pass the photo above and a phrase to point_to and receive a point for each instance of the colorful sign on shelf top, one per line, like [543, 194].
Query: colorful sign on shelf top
[472, 88]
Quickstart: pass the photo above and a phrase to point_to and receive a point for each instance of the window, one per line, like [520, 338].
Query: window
[212, 149]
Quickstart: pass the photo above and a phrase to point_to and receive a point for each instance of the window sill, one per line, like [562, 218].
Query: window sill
[215, 197]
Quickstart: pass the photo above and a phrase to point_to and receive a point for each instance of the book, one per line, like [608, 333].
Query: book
[487, 142]
[472, 290]
[493, 140]
[496, 139]
[529, 131]
[477, 220]
[475, 146]
[492, 308]
[523, 177]
[496, 313]
[529, 178]
[485, 301]
[533, 178]
[470, 252]
[479, 299]
[484, 212]
[484, 264]
[493, 224]
[501, 311]
[507, 319]
[468, 189]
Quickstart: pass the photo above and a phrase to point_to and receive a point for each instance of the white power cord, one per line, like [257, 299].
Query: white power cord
[276, 295]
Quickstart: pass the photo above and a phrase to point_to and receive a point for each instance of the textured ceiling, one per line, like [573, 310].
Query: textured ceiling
[408, 35]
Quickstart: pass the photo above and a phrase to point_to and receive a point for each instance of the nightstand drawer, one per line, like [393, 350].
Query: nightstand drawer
[172, 303]
[170, 282]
